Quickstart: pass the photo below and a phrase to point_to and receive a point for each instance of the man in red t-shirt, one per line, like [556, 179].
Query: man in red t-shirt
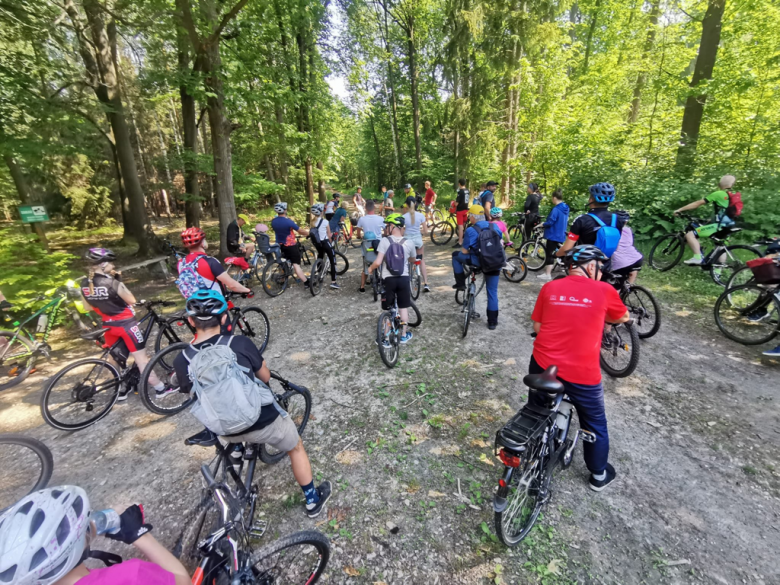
[569, 318]
[430, 201]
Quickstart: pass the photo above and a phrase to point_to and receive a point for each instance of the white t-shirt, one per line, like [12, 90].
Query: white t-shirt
[329, 206]
[409, 252]
[322, 227]
[413, 231]
[371, 223]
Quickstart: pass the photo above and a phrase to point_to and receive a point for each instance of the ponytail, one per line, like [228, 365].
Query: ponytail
[91, 277]
[412, 212]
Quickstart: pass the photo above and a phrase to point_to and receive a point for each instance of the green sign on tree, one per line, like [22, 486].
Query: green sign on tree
[33, 213]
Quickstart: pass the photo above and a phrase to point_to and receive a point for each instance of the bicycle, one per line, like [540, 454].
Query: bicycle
[277, 272]
[322, 267]
[415, 277]
[243, 270]
[516, 231]
[722, 261]
[389, 330]
[533, 251]
[640, 302]
[515, 269]
[442, 232]
[467, 298]
[619, 349]
[345, 237]
[174, 255]
[27, 467]
[531, 446]
[749, 313]
[744, 275]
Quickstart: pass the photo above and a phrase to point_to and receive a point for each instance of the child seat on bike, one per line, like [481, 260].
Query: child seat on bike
[271, 251]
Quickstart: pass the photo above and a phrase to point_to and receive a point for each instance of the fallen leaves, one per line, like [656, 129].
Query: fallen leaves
[553, 566]
[435, 494]
[352, 571]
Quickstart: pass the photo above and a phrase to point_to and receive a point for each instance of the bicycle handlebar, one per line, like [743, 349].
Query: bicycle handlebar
[155, 303]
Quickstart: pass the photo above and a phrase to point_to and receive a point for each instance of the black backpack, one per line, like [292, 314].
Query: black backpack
[314, 233]
[490, 250]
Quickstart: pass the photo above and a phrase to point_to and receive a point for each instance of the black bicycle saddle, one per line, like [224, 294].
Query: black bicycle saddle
[545, 382]
[94, 334]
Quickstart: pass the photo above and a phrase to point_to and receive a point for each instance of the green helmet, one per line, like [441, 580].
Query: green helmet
[396, 219]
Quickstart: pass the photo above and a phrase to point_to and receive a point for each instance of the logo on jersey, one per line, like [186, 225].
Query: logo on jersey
[101, 292]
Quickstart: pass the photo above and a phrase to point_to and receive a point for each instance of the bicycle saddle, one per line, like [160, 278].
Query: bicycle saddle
[95, 334]
[545, 382]
[205, 438]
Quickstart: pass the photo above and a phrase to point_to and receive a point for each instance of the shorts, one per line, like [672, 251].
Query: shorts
[236, 251]
[416, 240]
[281, 434]
[396, 287]
[328, 216]
[291, 253]
[550, 247]
[462, 216]
[428, 208]
[128, 331]
[626, 270]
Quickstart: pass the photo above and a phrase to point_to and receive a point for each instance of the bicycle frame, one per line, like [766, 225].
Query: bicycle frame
[52, 309]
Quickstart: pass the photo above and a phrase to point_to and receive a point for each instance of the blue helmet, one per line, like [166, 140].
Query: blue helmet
[206, 303]
[603, 192]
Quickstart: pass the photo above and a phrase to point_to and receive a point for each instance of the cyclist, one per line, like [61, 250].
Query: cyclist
[383, 192]
[410, 192]
[206, 310]
[284, 229]
[461, 211]
[531, 208]
[468, 255]
[46, 537]
[430, 201]
[396, 288]
[104, 293]
[339, 214]
[554, 232]
[496, 213]
[332, 205]
[415, 224]
[236, 239]
[208, 270]
[627, 260]
[360, 203]
[388, 206]
[370, 226]
[4, 304]
[583, 230]
[323, 246]
[720, 203]
[487, 198]
[568, 319]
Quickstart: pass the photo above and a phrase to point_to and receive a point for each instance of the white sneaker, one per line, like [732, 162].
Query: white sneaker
[694, 261]
[544, 276]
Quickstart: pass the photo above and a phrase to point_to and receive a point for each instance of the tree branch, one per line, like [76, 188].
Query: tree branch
[214, 37]
[185, 14]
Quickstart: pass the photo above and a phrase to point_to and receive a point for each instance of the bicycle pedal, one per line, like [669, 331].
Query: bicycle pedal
[258, 529]
[587, 436]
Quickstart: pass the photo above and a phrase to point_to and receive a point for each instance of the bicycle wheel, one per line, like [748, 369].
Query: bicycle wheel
[274, 278]
[734, 258]
[298, 558]
[460, 297]
[297, 404]
[467, 311]
[27, 467]
[16, 359]
[236, 273]
[80, 394]
[415, 316]
[644, 310]
[342, 264]
[748, 314]
[169, 401]
[533, 254]
[415, 283]
[175, 330]
[252, 322]
[619, 350]
[667, 252]
[354, 242]
[516, 234]
[315, 278]
[375, 285]
[387, 339]
[515, 270]
[202, 521]
[341, 243]
[442, 233]
[740, 276]
[259, 267]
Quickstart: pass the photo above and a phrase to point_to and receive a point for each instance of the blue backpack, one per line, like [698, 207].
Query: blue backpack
[607, 236]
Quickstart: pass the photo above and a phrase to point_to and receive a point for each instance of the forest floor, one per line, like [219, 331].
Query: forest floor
[695, 437]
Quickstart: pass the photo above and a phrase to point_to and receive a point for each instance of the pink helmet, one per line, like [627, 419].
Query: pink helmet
[261, 228]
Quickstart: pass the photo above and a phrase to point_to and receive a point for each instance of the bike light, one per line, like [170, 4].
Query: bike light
[509, 460]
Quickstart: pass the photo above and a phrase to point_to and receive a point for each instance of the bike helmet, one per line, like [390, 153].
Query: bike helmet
[280, 207]
[261, 228]
[396, 219]
[206, 303]
[317, 209]
[99, 255]
[583, 255]
[496, 212]
[44, 536]
[603, 192]
[192, 237]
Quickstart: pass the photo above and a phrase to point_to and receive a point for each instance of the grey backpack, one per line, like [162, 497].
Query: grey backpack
[230, 398]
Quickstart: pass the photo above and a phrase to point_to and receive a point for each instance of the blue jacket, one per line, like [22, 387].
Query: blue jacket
[557, 222]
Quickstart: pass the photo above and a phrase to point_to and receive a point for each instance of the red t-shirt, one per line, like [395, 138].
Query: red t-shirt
[429, 196]
[572, 312]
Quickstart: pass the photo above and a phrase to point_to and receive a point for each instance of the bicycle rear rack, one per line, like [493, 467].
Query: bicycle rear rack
[526, 426]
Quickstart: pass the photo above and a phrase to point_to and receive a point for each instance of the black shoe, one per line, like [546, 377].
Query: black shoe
[123, 392]
[492, 326]
[205, 438]
[324, 491]
[459, 287]
[458, 245]
[599, 484]
[362, 289]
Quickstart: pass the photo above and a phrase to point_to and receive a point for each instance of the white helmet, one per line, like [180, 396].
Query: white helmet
[280, 208]
[43, 536]
[317, 209]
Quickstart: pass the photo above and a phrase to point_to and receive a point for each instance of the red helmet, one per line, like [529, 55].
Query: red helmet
[193, 236]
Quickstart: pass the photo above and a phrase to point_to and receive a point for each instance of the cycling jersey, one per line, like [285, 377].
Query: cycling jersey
[105, 299]
[130, 572]
[209, 269]
[284, 228]
[463, 199]
[583, 230]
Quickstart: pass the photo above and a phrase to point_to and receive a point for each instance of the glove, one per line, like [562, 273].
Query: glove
[131, 525]
[5, 305]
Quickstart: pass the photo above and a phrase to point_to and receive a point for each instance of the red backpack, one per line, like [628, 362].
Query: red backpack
[734, 210]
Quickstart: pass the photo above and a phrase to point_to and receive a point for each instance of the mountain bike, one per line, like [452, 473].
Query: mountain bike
[344, 237]
[389, 330]
[531, 446]
[467, 298]
[515, 269]
[640, 302]
[619, 349]
[27, 467]
[721, 261]
[516, 231]
[277, 273]
[321, 268]
[437, 215]
[744, 275]
[174, 255]
[243, 270]
[442, 232]
[533, 251]
[749, 313]
[415, 277]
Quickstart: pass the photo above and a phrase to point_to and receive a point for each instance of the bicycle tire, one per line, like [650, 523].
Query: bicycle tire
[235, 272]
[733, 264]
[29, 360]
[374, 285]
[741, 276]
[262, 262]
[390, 354]
[633, 360]
[275, 278]
[43, 454]
[533, 254]
[309, 538]
[640, 313]
[417, 319]
[168, 333]
[241, 325]
[518, 270]
[516, 232]
[415, 284]
[675, 250]
[342, 263]
[145, 389]
[467, 311]
[730, 310]
[341, 243]
[315, 278]
[271, 456]
[46, 409]
[437, 216]
[442, 233]
[460, 296]
[205, 520]
[353, 241]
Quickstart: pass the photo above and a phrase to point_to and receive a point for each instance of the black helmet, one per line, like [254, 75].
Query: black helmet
[583, 255]
[99, 255]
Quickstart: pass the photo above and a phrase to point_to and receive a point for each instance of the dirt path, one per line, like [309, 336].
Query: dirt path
[694, 437]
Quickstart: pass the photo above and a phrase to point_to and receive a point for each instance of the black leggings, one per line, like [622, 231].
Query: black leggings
[550, 248]
[325, 248]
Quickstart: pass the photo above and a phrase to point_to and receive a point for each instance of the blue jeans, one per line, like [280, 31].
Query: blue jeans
[459, 259]
[589, 402]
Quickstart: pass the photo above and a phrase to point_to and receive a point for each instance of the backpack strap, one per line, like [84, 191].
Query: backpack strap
[614, 220]
[598, 221]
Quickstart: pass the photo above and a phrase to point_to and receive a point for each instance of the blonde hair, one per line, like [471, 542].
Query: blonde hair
[412, 212]
[343, 205]
[727, 182]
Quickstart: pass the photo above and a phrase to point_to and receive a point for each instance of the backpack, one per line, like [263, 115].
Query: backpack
[395, 257]
[734, 210]
[190, 281]
[489, 249]
[314, 233]
[607, 236]
[230, 399]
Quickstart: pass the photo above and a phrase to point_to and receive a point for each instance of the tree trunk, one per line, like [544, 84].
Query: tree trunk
[380, 182]
[189, 121]
[321, 185]
[589, 41]
[413, 74]
[641, 79]
[25, 194]
[399, 157]
[208, 179]
[694, 105]
[309, 182]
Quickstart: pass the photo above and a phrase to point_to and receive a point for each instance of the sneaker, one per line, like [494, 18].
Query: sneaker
[694, 261]
[758, 315]
[492, 326]
[426, 288]
[544, 276]
[313, 510]
[457, 245]
[362, 289]
[165, 391]
[773, 352]
[407, 337]
[335, 285]
[306, 284]
[598, 485]
[123, 392]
